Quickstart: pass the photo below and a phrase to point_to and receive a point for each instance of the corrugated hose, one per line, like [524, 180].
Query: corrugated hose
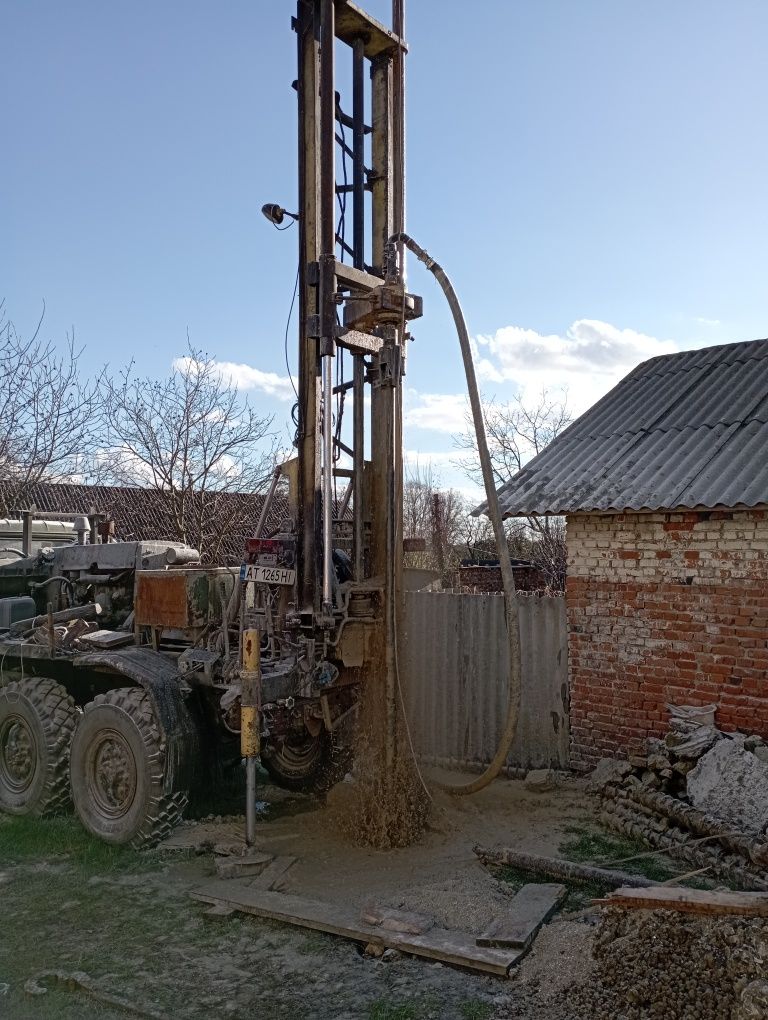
[494, 512]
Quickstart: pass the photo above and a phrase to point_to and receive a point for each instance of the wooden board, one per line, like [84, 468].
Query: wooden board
[530, 908]
[689, 901]
[107, 638]
[273, 872]
[457, 948]
[396, 920]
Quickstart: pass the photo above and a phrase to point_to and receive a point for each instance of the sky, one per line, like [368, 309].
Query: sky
[591, 175]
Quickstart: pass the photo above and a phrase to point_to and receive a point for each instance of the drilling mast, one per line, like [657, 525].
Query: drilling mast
[346, 480]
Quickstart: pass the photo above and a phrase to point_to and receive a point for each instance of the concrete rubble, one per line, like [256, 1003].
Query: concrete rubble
[699, 794]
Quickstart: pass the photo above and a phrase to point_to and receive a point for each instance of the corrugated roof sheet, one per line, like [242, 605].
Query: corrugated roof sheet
[682, 430]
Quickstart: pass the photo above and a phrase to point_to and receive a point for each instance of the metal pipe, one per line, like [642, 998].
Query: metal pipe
[327, 249]
[26, 532]
[327, 482]
[267, 502]
[250, 732]
[358, 260]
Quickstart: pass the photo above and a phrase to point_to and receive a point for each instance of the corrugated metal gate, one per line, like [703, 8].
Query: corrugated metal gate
[454, 667]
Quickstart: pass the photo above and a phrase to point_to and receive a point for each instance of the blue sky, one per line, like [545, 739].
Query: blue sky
[591, 174]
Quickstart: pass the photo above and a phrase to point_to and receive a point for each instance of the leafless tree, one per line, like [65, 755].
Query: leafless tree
[193, 438]
[434, 515]
[516, 432]
[47, 412]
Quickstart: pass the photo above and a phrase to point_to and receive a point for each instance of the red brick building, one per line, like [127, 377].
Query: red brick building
[664, 485]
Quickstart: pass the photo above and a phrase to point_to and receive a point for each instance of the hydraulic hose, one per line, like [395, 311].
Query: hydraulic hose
[494, 512]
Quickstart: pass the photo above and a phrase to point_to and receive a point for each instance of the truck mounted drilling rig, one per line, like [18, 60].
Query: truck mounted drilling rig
[190, 666]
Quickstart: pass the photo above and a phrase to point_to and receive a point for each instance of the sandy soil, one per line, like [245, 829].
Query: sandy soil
[139, 935]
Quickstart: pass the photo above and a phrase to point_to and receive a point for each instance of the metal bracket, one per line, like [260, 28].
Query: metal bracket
[390, 367]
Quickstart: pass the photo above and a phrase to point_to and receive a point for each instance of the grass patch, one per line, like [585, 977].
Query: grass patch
[475, 1009]
[590, 846]
[25, 840]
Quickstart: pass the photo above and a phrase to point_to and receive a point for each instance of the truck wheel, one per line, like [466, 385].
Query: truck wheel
[117, 771]
[37, 720]
[305, 763]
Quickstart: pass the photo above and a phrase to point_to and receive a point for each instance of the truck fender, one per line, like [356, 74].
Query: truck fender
[160, 678]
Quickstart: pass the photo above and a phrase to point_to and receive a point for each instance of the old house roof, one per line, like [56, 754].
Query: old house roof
[144, 514]
[683, 430]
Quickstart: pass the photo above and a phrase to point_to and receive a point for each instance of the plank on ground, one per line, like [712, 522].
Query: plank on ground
[457, 948]
[691, 901]
[529, 909]
[273, 872]
[396, 920]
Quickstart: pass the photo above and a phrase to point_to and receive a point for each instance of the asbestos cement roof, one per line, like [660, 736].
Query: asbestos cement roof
[685, 430]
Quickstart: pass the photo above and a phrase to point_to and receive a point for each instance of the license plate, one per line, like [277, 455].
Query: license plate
[267, 575]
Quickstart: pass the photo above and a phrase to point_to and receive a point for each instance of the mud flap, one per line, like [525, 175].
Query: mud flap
[160, 679]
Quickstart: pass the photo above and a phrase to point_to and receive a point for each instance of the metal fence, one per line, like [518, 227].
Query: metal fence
[455, 668]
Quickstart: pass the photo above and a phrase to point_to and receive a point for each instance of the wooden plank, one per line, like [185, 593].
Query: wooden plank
[273, 872]
[107, 638]
[530, 908]
[396, 920]
[457, 948]
[689, 901]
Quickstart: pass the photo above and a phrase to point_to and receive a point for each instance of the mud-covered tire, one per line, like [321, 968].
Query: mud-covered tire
[307, 764]
[37, 720]
[118, 771]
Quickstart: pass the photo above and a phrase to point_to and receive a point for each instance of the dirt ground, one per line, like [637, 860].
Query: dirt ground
[126, 920]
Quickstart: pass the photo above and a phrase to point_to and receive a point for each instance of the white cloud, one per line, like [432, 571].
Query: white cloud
[246, 377]
[588, 359]
[440, 412]
[707, 322]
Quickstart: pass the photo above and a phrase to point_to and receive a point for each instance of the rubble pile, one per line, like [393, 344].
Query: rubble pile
[699, 794]
[677, 967]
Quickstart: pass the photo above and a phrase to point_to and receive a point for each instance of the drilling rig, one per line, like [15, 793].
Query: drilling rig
[195, 666]
[353, 317]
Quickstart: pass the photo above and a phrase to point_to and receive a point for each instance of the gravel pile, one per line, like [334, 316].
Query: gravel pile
[651, 964]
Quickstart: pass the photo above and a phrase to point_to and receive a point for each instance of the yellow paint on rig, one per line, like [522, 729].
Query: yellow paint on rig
[250, 738]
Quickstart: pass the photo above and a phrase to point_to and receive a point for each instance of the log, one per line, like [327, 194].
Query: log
[87, 612]
[555, 868]
[698, 822]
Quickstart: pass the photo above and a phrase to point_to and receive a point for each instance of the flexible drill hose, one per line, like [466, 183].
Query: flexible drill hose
[494, 512]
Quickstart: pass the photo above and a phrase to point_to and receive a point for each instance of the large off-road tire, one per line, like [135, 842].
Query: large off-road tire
[37, 720]
[306, 763]
[117, 771]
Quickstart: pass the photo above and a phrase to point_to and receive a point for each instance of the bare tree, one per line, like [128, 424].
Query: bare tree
[193, 438]
[516, 432]
[432, 514]
[47, 413]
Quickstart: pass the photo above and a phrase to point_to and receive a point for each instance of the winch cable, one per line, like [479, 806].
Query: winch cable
[494, 512]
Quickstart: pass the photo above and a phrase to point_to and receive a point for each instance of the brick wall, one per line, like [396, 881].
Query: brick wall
[488, 579]
[665, 608]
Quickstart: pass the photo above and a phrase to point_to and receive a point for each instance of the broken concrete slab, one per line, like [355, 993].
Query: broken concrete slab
[607, 770]
[540, 780]
[731, 784]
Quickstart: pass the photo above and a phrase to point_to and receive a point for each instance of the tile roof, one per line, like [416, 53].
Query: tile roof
[144, 514]
[683, 430]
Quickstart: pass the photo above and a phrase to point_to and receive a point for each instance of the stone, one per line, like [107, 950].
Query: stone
[731, 784]
[607, 770]
[761, 753]
[540, 780]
